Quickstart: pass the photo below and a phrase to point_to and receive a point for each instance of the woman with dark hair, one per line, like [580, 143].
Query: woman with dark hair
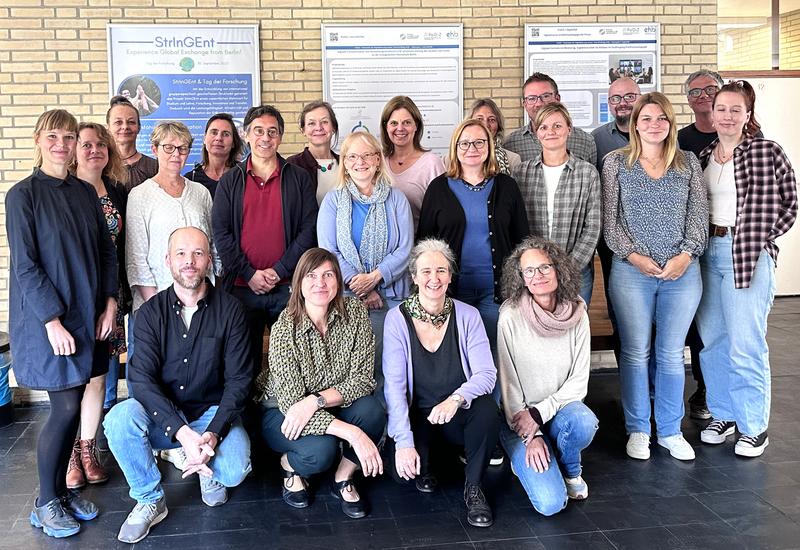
[317, 392]
[62, 306]
[439, 378]
[544, 358]
[752, 194]
[480, 213]
[98, 163]
[319, 125]
[123, 121]
[411, 167]
[222, 146]
[655, 221]
[487, 111]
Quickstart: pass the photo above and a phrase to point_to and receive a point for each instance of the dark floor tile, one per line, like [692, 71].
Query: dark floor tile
[240, 538]
[707, 536]
[429, 529]
[735, 505]
[569, 521]
[510, 544]
[18, 484]
[652, 538]
[785, 498]
[633, 513]
[581, 541]
[14, 430]
[754, 474]
[511, 524]
[772, 530]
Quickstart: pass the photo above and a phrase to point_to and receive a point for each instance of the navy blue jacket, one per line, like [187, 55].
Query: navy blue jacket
[299, 208]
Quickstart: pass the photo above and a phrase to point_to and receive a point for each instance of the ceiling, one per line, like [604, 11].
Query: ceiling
[752, 8]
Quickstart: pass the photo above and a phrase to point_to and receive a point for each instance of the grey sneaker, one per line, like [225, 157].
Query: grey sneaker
[577, 489]
[141, 519]
[176, 456]
[54, 520]
[212, 492]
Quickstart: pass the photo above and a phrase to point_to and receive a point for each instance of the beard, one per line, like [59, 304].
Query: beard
[189, 282]
[624, 119]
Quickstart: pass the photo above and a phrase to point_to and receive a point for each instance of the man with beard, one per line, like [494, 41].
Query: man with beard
[622, 94]
[191, 376]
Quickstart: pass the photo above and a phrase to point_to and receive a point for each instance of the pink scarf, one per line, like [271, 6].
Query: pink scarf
[547, 324]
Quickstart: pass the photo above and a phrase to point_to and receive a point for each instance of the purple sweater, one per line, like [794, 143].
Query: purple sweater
[476, 359]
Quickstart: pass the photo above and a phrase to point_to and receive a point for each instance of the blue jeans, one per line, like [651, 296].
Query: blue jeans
[733, 326]
[572, 430]
[111, 382]
[639, 301]
[587, 282]
[133, 436]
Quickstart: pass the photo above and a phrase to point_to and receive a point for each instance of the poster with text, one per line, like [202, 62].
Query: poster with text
[584, 59]
[366, 65]
[186, 73]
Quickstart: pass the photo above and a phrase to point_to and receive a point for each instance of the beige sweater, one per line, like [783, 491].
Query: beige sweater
[546, 373]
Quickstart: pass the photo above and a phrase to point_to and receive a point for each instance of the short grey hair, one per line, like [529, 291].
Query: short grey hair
[567, 273]
[702, 72]
[431, 245]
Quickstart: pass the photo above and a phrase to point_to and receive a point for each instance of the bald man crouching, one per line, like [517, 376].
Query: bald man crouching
[191, 376]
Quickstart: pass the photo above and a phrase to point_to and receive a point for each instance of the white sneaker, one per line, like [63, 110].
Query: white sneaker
[638, 445]
[577, 489]
[677, 446]
[176, 456]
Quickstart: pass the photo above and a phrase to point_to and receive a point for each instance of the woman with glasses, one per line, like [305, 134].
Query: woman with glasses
[367, 224]
[655, 221]
[410, 166]
[480, 214]
[321, 129]
[562, 193]
[221, 148]
[543, 364]
[752, 192]
[487, 111]
[122, 119]
[159, 206]
[316, 394]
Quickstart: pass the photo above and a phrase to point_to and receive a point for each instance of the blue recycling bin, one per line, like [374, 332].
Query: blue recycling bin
[6, 406]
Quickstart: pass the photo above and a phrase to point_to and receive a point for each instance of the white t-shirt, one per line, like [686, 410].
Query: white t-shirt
[721, 186]
[187, 312]
[551, 176]
[326, 180]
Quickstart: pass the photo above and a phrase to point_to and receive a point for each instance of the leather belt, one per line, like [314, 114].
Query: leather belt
[719, 230]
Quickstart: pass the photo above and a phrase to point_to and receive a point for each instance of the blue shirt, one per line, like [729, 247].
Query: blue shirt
[359, 216]
[475, 271]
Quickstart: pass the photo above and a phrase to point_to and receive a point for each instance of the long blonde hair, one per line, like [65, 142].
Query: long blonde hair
[673, 156]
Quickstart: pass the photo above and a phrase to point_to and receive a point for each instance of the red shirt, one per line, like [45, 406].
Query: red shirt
[263, 241]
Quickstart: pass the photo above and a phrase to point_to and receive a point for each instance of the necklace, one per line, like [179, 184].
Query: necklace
[325, 167]
[722, 156]
[653, 164]
[130, 157]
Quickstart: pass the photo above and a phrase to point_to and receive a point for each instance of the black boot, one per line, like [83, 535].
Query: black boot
[478, 512]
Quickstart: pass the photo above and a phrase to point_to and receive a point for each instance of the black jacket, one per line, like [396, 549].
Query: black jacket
[443, 217]
[306, 160]
[299, 208]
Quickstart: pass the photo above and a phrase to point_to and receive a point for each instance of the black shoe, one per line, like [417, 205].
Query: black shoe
[478, 512]
[295, 499]
[716, 431]
[80, 508]
[353, 510]
[53, 520]
[697, 405]
[497, 456]
[751, 446]
[426, 483]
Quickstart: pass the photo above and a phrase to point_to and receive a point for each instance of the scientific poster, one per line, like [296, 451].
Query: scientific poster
[584, 59]
[366, 65]
[185, 73]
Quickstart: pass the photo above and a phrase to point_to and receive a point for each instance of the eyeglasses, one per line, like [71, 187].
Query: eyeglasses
[710, 91]
[366, 157]
[617, 99]
[479, 144]
[544, 98]
[169, 149]
[543, 270]
[258, 131]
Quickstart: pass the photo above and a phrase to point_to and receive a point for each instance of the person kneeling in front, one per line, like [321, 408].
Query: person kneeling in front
[191, 377]
[543, 346]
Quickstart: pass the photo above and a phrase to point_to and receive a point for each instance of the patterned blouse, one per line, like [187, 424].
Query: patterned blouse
[656, 218]
[302, 361]
[114, 222]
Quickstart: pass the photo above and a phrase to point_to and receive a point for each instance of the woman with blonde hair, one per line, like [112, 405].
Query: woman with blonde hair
[655, 221]
[62, 306]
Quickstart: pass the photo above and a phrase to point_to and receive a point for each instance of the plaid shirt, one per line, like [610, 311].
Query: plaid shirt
[525, 143]
[577, 215]
[766, 202]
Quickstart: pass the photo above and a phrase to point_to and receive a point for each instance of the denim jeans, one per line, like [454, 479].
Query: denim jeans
[639, 301]
[112, 378]
[483, 301]
[568, 433]
[133, 436]
[587, 282]
[733, 325]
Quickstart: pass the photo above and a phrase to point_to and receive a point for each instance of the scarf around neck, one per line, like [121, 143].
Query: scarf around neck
[415, 309]
[502, 158]
[374, 238]
[550, 324]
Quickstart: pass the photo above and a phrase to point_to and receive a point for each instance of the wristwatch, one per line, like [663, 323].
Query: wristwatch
[321, 401]
[457, 398]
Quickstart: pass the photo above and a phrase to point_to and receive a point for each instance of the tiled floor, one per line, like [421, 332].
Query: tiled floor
[717, 501]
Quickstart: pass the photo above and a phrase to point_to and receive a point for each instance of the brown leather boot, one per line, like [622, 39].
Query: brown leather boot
[75, 477]
[95, 473]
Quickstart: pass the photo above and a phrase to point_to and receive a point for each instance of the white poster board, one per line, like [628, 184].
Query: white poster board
[583, 59]
[185, 73]
[366, 65]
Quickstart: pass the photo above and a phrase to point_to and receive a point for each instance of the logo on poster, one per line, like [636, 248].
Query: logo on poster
[186, 64]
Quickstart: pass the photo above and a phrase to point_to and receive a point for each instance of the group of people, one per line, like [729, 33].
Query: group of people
[382, 291]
